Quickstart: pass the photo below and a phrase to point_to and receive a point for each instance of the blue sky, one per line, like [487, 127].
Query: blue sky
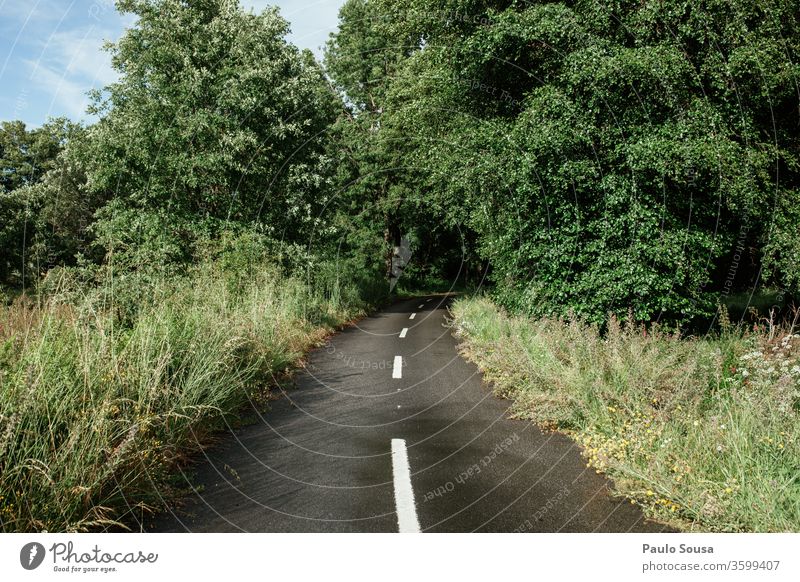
[50, 50]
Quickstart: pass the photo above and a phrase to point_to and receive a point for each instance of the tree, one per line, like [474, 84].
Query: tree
[607, 157]
[215, 119]
[25, 158]
[364, 58]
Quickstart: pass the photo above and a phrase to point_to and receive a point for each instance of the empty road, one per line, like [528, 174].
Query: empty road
[388, 429]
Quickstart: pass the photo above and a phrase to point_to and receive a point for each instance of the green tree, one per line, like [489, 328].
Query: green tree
[608, 157]
[376, 171]
[215, 119]
[25, 158]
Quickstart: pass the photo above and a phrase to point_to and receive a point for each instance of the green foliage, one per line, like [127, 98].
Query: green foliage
[186, 249]
[215, 116]
[605, 157]
[361, 58]
[26, 156]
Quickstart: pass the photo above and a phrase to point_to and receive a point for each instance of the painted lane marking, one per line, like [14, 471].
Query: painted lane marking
[404, 332]
[407, 521]
[421, 306]
[412, 316]
[429, 300]
[397, 371]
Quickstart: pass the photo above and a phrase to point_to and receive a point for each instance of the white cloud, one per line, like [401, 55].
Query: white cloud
[31, 10]
[311, 20]
[67, 96]
[60, 43]
[80, 54]
[72, 63]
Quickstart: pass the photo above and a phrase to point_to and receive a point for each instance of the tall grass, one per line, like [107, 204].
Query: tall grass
[702, 433]
[96, 409]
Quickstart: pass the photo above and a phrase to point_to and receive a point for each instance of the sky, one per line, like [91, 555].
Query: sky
[51, 50]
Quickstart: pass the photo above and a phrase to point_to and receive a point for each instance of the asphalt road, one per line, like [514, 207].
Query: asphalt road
[355, 448]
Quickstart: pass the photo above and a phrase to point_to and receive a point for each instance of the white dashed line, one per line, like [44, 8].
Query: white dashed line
[412, 316]
[407, 521]
[421, 306]
[429, 300]
[404, 332]
[397, 372]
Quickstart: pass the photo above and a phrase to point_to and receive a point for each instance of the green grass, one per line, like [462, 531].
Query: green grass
[96, 412]
[702, 433]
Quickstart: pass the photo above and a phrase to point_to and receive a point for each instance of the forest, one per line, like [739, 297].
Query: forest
[611, 185]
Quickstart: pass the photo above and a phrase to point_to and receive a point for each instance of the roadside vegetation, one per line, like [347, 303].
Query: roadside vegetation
[596, 167]
[609, 166]
[100, 405]
[702, 432]
[163, 267]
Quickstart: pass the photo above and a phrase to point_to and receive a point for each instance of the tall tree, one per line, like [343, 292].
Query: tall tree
[215, 118]
[607, 156]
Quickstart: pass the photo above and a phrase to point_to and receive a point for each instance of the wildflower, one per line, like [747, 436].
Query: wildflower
[650, 493]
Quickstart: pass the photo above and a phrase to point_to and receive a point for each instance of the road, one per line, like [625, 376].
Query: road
[388, 429]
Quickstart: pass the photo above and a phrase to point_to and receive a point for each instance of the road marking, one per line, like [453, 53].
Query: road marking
[407, 521]
[412, 316]
[404, 332]
[429, 300]
[421, 306]
[397, 372]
